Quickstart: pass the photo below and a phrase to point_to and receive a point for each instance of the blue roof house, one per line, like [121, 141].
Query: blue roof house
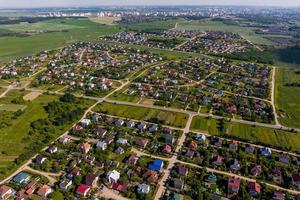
[21, 177]
[156, 165]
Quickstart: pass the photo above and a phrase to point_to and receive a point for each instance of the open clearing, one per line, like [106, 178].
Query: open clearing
[31, 96]
[105, 20]
[287, 99]
[12, 107]
[255, 134]
[147, 102]
[141, 113]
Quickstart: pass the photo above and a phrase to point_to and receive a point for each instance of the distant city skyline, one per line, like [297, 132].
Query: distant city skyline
[78, 3]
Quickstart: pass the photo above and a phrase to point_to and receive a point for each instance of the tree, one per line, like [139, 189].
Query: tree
[57, 195]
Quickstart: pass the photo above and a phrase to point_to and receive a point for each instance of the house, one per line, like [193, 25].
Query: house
[266, 151]
[192, 145]
[109, 139]
[52, 149]
[39, 159]
[167, 148]
[91, 180]
[122, 141]
[21, 177]
[130, 124]
[178, 184]
[256, 170]
[101, 145]
[170, 139]
[74, 172]
[64, 140]
[132, 159]
[201, 138]
[119, 122]
[278, 195]
[275, 175]
[233, 185]
[83, 190]
[296, 180]
[151, 176]
[65, 184]
[84, 148]
[217, 160]
[44, 191]
[113, 176]
[156, 165]
[119, 150]
[210, 178]
[101, 132]
[254, 189]
[153, 128]
[218, 142]
[118, 186]
[96, 117]
[166, 131]
[76, 128]
[5, 192]
[85, 122]
[249, 148]
[234, 165]
[190, 154]
[142, 126]
[182, 170]
[233, 145]
[142, 143]
[284, 158]
[143, 188]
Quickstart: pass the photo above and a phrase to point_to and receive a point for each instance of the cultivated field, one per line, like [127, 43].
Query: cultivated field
[31, 96]
[141, 113]
[105, 20]
[11, 107]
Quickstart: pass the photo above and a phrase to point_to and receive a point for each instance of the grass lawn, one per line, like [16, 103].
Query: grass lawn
[256, 134]
[14, 129]
[12, 107]
[78, 30]
[141, 113]
[245, 32]
[288, 98]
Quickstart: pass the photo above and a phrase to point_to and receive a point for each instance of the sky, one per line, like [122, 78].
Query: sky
[66, 3]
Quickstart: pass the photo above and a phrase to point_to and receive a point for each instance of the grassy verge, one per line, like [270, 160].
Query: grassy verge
[141, 113]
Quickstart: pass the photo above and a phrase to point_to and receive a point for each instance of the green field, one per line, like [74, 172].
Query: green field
[12, 107]
[245, 32]
[288, 98]
[77, 30]
[256, 134]
[150, 26]
[141, 113]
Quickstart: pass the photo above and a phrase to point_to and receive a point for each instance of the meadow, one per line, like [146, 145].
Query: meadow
[74, 30]
[256, 134]
[287, 99]
[141, 113]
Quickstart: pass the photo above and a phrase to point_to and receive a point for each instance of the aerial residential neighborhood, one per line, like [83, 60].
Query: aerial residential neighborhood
[149, 101]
